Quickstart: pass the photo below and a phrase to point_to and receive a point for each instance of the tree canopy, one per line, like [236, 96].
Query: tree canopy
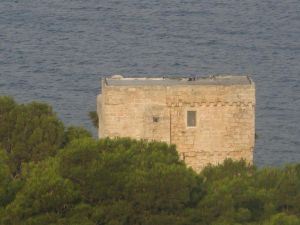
[52, 174]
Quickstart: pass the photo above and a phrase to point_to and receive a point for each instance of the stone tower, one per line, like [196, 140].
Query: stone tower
[208, 119]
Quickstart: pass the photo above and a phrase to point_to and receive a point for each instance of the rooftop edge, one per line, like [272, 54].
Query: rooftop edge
[218, 79]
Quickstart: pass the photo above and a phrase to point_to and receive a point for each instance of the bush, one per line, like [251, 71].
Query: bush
[52, 175]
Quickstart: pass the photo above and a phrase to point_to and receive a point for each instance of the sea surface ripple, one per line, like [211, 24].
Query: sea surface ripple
[57, 51]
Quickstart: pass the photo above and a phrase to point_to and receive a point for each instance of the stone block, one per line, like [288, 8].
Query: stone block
[224, 122]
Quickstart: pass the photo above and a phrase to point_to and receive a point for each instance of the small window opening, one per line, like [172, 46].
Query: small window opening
[191, 118]
[155, 119]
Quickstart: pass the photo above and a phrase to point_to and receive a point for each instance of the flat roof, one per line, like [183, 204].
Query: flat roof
[225, 80]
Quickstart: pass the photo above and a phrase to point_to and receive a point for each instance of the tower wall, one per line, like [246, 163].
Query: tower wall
[225, 119]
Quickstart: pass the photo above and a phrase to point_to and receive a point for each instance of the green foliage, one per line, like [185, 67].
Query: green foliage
[29, 132]
[127, 181]
[283, 219]
[287, 192]
[44, 198]
[49, 176]
[7, 184]
[94, 118]
[73, 133]
[229, 169]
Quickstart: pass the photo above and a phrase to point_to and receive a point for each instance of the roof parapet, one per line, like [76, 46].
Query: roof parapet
[218, 79]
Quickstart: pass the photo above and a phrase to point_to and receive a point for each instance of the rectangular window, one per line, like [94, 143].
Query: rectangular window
[191, 118]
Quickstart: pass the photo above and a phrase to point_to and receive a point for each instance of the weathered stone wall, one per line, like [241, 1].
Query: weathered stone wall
[224, 115]
[225, 123]
[129, 112]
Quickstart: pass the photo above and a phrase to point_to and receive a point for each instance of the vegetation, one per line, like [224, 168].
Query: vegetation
[94, 118]
[50, 174]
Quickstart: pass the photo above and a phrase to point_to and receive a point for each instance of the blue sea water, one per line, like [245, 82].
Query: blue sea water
[57, 51]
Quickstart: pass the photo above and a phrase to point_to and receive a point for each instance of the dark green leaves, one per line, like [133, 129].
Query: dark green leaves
[52, 175]
[29, 132]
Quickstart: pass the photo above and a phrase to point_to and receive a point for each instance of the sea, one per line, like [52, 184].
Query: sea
[57, 51]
